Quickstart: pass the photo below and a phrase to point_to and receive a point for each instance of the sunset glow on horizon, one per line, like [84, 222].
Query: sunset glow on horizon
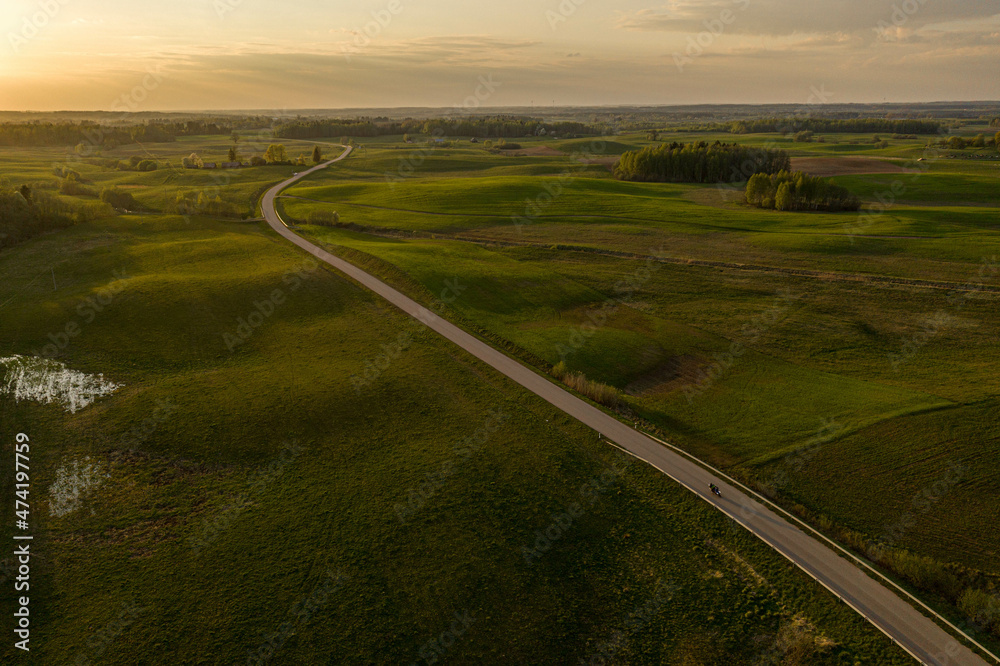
[251, 54]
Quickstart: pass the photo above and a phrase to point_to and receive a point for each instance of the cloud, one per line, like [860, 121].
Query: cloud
[781, 17]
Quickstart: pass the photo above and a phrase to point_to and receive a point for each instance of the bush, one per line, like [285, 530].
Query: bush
[71, 185]
[324, 218]
[119, 199]
[257, 161]
[805, 136]
[981, 608]
[600, 393]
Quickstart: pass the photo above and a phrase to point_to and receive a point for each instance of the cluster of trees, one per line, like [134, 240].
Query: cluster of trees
[96, 135]
[798, 191]
[846, 126]
[978, 141]
[25, 213]
[189, 203]
[699, 163]
[995, 122]
[119, 199]
[493, 126]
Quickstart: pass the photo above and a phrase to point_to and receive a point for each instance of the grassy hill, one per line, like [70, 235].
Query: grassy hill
[241, 500]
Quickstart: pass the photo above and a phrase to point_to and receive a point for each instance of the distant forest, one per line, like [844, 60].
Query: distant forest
[97, 135]
[699, 163]
[506, 127]
[850, 125]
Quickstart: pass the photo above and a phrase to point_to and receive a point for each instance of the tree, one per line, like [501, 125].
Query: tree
[233, 157]
[757, 188]
[26, 193]
[300, 160]
[996, 140]
[978, 141]
[276, 154]
[653, 135]
[257, 160]
[317, 155]
[956, 143]
[783, 199]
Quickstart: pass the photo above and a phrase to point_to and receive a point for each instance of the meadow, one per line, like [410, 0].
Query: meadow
[843, 362]
[252, 501]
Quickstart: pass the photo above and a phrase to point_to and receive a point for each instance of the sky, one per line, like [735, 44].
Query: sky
[145, 55]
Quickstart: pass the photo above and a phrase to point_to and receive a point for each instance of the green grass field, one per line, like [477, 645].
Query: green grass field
[249, 498]
[904, 369]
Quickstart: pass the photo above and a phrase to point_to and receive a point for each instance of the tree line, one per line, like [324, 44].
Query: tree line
[486, 127]
[831, 125]
[102, 135]
[798, 191]
[699, 163]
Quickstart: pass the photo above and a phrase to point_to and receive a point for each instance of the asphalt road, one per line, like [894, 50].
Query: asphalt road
[913, 631]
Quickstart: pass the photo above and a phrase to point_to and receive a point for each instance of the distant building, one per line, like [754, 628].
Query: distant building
[231, 165]
[208, 165]
[473, 140]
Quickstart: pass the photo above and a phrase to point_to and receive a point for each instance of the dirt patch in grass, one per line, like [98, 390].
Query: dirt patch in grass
[675, 372]
[845, 166]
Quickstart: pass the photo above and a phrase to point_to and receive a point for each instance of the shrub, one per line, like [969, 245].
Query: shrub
[600, 393]
[981, 608]
[324, 218]
[119, 199]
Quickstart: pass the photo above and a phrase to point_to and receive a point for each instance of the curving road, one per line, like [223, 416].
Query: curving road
[910, 629]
